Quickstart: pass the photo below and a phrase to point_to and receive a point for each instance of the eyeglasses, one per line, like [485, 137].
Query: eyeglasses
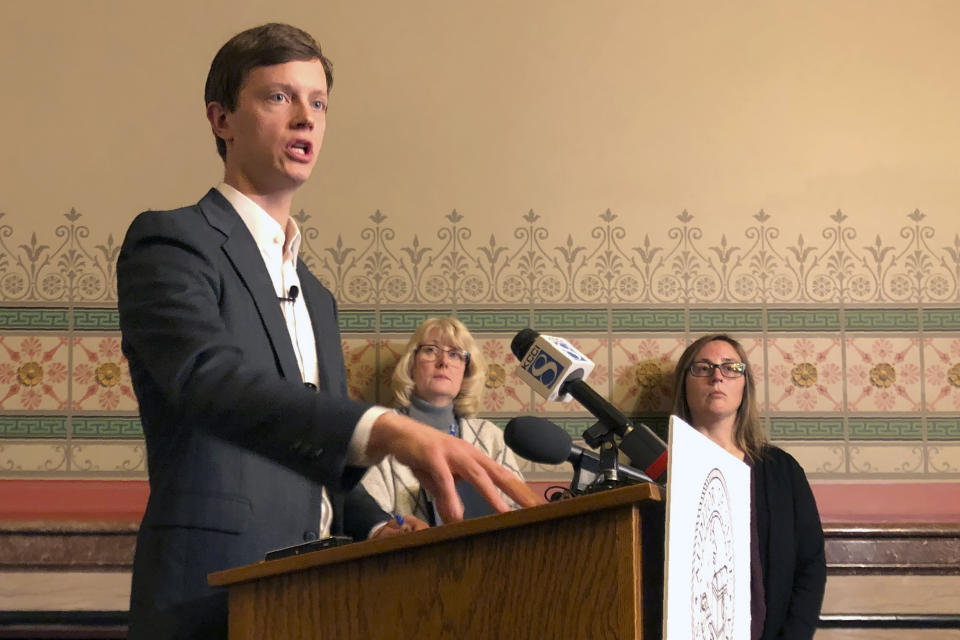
[457, 357]
[704, 369]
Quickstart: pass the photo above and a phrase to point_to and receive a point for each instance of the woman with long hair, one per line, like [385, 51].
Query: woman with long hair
[715, 392]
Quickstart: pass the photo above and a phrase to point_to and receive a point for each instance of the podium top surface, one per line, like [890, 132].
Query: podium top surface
[636, 494]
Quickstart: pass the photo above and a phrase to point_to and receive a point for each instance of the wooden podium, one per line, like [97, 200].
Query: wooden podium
[588, 567]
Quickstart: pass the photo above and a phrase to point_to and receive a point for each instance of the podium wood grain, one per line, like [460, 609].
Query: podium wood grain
[565, 570]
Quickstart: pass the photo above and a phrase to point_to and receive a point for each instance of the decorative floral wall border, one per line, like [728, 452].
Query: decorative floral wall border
[803, 305]
[540, 267]
[537, 266]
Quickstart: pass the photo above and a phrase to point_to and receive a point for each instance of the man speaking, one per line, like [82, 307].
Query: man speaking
[240, 380]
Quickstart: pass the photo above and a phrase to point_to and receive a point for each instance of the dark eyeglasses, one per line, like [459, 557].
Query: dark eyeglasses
[704, 369]
[430, 353]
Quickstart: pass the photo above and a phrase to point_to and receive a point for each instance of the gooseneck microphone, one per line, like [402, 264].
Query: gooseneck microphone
[291, 296]
[554, 368]
[539, 440]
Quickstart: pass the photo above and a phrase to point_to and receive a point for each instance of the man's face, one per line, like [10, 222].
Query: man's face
[275, 132]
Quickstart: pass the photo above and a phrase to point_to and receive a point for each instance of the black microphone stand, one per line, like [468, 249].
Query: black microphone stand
[602, 436]
[607, 474]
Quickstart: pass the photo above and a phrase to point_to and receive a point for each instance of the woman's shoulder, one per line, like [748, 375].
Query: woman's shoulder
[773, 459]
[773, 453]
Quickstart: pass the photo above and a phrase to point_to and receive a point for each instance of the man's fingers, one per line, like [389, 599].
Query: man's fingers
[436, 459]
[469, 463]
[510, 484]
[444, 493]
[522, 494]
[480, 476]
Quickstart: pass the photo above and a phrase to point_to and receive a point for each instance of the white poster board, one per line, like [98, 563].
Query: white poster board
[707, 581]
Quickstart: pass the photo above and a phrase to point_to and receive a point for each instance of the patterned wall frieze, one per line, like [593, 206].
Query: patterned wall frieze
[71, 268]
[537, 266]
[537, 262]
[855, 343]
[854, 398]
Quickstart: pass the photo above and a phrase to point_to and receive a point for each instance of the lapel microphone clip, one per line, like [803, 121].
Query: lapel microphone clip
[292, 296]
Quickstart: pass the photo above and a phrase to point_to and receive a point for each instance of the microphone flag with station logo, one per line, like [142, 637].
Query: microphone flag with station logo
[556, 370]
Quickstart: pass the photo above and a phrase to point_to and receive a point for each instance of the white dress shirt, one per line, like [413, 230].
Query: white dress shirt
[279, 248]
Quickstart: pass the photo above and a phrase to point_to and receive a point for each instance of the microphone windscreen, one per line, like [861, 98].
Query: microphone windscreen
[537, 440]
[522, 342]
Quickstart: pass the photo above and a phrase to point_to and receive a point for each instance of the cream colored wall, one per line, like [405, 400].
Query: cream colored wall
[495, 108]
[649, 109]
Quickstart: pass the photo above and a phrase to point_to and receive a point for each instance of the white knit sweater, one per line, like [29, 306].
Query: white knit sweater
[393, 485]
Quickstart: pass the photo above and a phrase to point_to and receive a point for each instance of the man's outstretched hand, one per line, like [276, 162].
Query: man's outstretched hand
[437, 459]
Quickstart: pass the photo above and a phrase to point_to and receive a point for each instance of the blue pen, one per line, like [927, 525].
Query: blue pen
[399, 519]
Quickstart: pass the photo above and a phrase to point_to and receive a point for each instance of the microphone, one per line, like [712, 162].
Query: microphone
[555, 369]
[292, 296]
[539, 440]
[547, 362]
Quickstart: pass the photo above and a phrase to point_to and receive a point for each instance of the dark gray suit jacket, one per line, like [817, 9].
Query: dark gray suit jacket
[237, 447]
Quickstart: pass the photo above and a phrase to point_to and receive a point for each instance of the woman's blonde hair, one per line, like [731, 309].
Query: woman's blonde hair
[453, 332]
[749, 434]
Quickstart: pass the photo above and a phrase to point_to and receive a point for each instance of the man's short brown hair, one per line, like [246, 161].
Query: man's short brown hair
[262, 46]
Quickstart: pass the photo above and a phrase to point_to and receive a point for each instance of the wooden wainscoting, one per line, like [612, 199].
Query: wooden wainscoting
[65, 579]
[73, 577]
[880, 570]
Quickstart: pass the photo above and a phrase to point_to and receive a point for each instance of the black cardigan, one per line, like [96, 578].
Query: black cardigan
[791, 546]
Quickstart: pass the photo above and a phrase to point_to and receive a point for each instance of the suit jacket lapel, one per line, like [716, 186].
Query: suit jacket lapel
[242, 251]
[320, 330]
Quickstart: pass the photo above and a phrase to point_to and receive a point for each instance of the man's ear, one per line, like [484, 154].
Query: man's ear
[219, 122]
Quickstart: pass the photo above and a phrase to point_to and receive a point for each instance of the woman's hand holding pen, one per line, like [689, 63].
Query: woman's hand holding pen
[399, 525]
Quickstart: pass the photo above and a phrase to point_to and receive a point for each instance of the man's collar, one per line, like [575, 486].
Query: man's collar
[264, 229]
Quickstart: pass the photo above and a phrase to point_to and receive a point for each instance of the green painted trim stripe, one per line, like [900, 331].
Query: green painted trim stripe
[407, 320]
[573, 318]
[112, 428]
[43, 319]
[806, 428]
[548, 320]
[492, 320]
[38, 427]
[357, 321]
[803, 320]
[882, 319]
[941, 319]
[726, 320]
[96, 319]
[885, 428]
[639, 320]
[941, 429]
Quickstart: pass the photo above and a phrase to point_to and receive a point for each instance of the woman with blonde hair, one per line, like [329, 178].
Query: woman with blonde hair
[437, 381]
[715, 392]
